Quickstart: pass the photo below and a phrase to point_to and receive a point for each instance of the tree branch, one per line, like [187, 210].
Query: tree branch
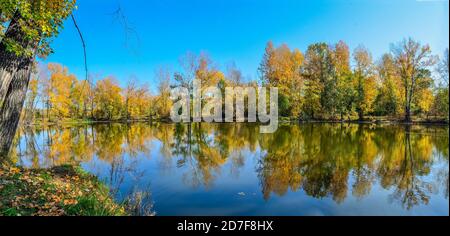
[84, 45]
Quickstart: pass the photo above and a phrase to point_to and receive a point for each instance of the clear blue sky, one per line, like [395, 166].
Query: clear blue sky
[237, 30]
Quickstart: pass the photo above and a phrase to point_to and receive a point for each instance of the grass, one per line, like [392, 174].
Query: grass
[60, 191]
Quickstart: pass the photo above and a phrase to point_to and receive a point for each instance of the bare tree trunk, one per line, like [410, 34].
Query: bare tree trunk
[408, 112]
[12, 106]
[15, 71]
[9, 61]
[360, 116]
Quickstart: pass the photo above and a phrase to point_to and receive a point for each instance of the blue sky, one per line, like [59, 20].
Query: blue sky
[237, 31]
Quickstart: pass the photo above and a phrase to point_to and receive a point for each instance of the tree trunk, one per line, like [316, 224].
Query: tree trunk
[15, 71]
[408, 113]
[9, 61]
[12, 106]
[360, 116]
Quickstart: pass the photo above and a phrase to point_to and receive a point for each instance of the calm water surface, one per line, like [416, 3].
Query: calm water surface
[231, 169]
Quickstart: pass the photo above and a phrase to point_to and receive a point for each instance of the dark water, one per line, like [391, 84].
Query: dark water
[232, 169]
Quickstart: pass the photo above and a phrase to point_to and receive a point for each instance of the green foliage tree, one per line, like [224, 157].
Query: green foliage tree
[321, 84]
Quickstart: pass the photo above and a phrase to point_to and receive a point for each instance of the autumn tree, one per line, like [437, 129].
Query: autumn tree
[281, 67]
[390, 96]
[412, 61]
[108, 99]
[81, 99]
[321, 89]
[186, 77]
[139, 103]
[32, 26]
[364, 81]
[163, 101]
[62, 84]
[129, 93]
[343, 74]
[200, 68]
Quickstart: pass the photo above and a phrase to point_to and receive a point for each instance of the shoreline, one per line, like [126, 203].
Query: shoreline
[59, 191]
[282, 120]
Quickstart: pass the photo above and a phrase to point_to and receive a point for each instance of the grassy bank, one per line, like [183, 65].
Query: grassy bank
[60, 191]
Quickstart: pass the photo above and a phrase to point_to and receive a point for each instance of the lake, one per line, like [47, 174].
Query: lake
[232, 169]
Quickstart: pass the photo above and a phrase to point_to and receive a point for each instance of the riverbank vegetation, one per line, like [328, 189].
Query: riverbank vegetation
[327, 82]
[60, 191]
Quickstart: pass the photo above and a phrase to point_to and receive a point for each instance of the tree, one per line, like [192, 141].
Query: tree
[412, 62]
[139, 103]
[81, 98]
[164, 103]
[281, 68]
[343, 73]
[201, 69]
[129, 94]
[390, 95]
[321, 89]
[265, 68]
[365, 86]
[31, 97]
[441, 103]
[443, 68]
[62, 84]
[32, 26]
[234, 75]
[108, 99]
[425, 103]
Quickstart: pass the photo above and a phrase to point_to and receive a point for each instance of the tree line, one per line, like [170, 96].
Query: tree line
[325, 83]
[328, 82]
[62, 96]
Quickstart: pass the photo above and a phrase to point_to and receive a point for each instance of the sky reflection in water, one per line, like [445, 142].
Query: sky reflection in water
[232, 169]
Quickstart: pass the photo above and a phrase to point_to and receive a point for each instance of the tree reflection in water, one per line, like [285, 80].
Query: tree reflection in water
[323, 160]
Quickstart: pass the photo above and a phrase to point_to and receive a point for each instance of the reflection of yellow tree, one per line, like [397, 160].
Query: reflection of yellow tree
[324, 160]
[329, 152]
[81, 144]
[320, 159]
[440, 139]
[60, 151]
[204, 148]
[165, 133]
[137, 137]
[407, 161]
[108, 141]
[204, 157]
[279, 169]
[233, 140]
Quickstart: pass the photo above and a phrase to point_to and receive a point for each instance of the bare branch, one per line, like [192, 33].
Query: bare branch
[83, 43]
[128, 29]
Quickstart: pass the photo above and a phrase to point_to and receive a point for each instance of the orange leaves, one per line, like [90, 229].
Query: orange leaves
[61, 84]
[70, 202]
[14, 170]
[44, 192]
[108, 99]
[281, 68]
